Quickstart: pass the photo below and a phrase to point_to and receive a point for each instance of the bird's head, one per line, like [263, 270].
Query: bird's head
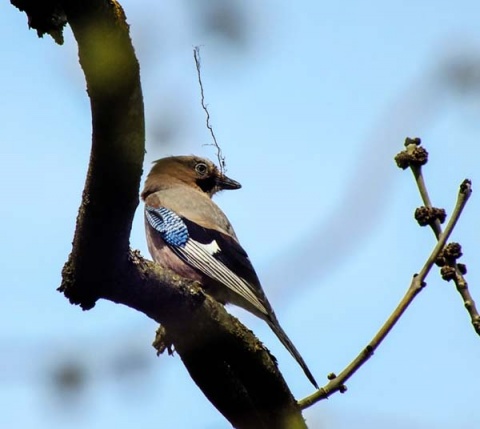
[193, 171]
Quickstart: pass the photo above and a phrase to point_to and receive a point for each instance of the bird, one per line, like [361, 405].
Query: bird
[189, 234]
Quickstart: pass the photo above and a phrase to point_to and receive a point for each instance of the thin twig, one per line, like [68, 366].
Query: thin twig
[337, 383]
[459, 279]
[417, 173]
[220, 156]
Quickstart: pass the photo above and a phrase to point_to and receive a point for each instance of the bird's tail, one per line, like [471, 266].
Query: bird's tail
[283, 337]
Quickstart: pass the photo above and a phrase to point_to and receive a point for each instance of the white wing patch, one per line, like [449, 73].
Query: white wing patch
[199, 256]
[211, 248]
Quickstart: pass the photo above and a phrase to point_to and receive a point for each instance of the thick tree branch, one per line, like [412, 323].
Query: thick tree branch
[233, 369]
[227, 362]
[110, 197]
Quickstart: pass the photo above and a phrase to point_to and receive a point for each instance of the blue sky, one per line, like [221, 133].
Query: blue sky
[310, 109]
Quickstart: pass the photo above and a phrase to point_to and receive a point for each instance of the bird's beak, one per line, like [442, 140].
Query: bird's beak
[224, 182]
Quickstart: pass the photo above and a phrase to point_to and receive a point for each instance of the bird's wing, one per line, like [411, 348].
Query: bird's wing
[212, 252]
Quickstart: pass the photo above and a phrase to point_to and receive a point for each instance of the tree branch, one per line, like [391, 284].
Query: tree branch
[414, 157]
[337, 383]
[412, 146]
[233, 369]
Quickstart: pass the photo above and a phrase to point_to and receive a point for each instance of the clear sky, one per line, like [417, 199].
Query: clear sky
[310, 102]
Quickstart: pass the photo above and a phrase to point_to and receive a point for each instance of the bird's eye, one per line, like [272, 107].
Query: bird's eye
[201, 168]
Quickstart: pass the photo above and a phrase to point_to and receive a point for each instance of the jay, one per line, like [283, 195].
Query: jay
[189, 234]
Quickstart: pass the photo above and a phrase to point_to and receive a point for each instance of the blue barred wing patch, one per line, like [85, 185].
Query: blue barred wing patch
[170, 226]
